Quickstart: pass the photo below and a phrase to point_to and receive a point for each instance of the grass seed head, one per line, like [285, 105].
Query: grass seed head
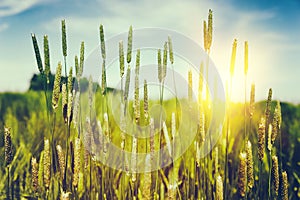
[146, 191]
[8, 146]
[127, 83]
[250, 172]
[269, 142]
[209, 29]
[279, 114]
[81, 59]
[159, 64]
[171, 55]
[261, 138]
[47, 164]
[233, 55]
[76, 104]
[102, 42]
[37, 53]
[146, 102]
[34, 174]
[202, 126]
[242, 174]
[268, 109]
[252, 100]
[129, 45]
[64, 37]
[167, 138]
[77, 164]
[165, 61]
[64, 102]
[76, 66]
[61, 160]
[56, 87]
[285, 187]
[219, 188]
[136, 89]
[64, 195]
[275, 174]
[121, 58]
[276, 122]
[136, 105]
[47, 58]
[134, 158]
[138, 62]
[171, 191]
[103, 78]
[70, 80]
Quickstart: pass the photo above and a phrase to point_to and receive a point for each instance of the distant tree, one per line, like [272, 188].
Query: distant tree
[37, 82]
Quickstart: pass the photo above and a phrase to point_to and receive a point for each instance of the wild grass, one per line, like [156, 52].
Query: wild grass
[66, 164]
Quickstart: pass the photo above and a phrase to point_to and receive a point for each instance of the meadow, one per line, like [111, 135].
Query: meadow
[56, 138]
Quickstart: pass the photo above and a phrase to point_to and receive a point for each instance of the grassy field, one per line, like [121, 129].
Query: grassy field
[54, 141]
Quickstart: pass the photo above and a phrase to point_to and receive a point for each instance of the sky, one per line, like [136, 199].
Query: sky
[272, 29]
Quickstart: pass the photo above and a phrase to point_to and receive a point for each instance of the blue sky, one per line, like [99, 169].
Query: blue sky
[271, 27]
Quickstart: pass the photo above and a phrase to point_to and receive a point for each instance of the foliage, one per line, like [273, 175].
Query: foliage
[24, 113]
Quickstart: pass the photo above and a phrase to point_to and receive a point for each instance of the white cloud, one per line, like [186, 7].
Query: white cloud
[12, 7]
[3, 27]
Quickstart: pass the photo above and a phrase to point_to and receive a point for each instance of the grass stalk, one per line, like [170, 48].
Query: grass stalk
[260, 180]
[270, 174]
